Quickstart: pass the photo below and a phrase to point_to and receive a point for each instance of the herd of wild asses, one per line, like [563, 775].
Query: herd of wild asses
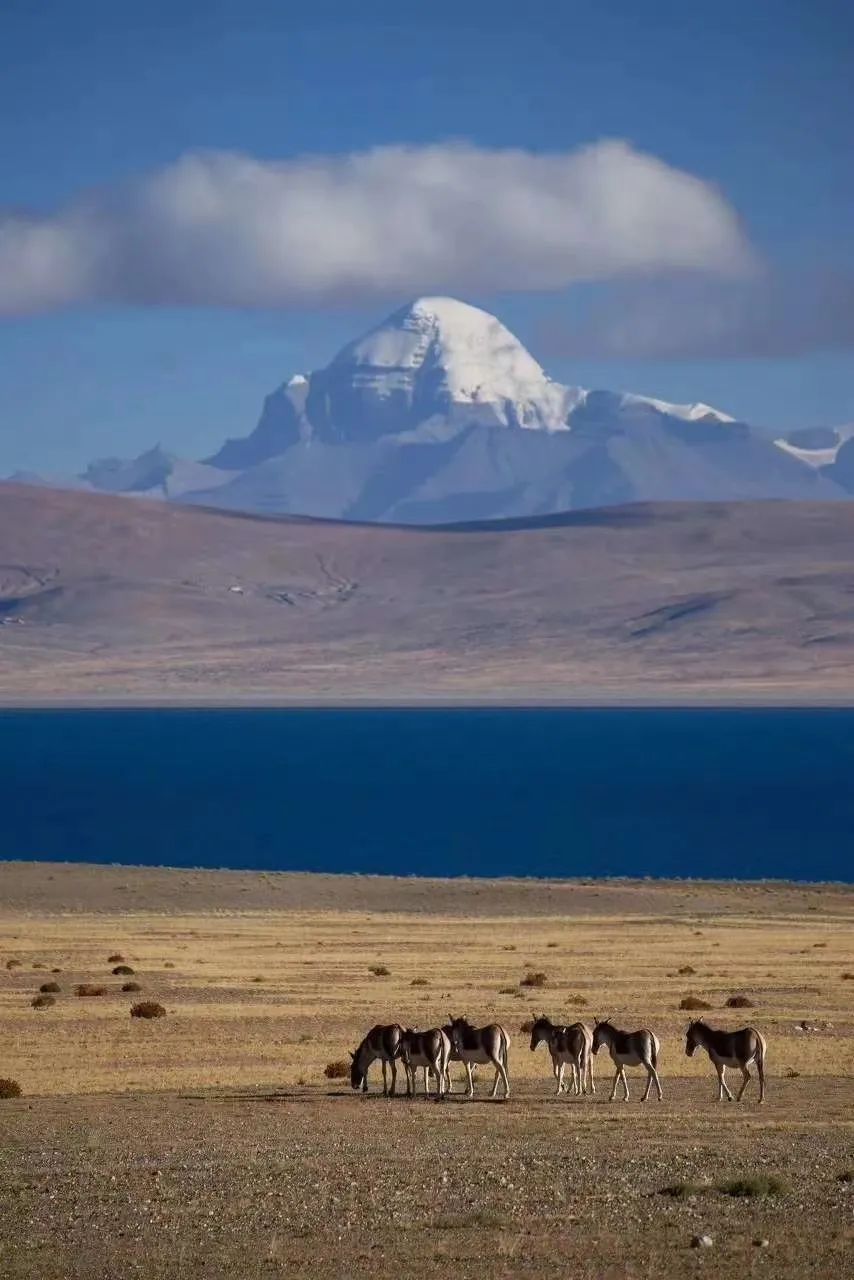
[459, 1041]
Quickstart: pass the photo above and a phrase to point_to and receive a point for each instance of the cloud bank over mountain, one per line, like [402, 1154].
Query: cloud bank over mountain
[228, 230]
[768, 315]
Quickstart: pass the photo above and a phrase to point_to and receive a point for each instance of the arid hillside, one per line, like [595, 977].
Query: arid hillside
[121, 598]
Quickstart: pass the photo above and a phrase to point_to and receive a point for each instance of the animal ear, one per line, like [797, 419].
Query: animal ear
[352, 1057]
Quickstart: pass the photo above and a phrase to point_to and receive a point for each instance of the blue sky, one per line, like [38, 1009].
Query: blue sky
[754, 99]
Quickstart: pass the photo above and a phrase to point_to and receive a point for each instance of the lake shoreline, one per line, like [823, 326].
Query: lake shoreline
[794, 698]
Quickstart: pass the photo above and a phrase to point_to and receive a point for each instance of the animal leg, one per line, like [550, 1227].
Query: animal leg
[614, 1086]
[589, 1060]
[654, 1077]
[469, 1081]
[393, 1065]
[745, 1072]
[500, 1073]
[625, 1083]
[558, 1073]
[723, 1088]
[385, 1080]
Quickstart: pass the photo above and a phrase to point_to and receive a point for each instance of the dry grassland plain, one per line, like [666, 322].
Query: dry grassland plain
[210, 1142]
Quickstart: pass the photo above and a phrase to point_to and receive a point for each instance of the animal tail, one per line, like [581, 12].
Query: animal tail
[656, 1050]
[761, 1050]
[505, 1048]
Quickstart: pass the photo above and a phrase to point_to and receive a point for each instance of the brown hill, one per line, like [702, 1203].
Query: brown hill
[106, 597]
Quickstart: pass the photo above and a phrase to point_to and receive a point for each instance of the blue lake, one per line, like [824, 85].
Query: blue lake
[491, 792]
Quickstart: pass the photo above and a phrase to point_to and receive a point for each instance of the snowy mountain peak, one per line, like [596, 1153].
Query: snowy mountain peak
[439, 414]
[439, 355]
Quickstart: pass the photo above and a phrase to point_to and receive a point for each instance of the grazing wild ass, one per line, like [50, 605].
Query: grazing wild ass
[573, 1045]
[482, 1044]
[730, 1049]
[381, 1042]
[629, 1049]
[430, 1050]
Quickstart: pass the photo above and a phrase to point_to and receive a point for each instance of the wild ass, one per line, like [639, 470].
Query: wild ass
[730, 1049]
[571, 1045]
[482, 1044]
[629, 1049]
[381, 1042]
[430, 1050]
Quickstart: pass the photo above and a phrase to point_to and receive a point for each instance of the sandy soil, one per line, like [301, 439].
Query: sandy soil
[210, 1143]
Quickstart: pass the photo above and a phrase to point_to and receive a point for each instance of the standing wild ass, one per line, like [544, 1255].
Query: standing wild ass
[430, 1050]
[730, 1049]
[381, 1042]
[571, 1045]
[482, 1044]
[629, 1049]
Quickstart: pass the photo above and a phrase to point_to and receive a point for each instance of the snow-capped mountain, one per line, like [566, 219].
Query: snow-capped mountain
[439, 414]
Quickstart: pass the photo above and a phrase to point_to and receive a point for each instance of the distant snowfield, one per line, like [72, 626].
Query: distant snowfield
[439, 414]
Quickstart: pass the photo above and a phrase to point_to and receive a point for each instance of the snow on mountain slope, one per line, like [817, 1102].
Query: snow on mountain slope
[816, 446]
[439, 414]
[436, 357]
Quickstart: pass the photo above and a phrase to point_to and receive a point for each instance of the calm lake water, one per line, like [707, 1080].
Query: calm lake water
[722, 793]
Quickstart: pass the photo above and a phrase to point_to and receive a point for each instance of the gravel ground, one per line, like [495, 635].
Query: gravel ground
[329, 1184]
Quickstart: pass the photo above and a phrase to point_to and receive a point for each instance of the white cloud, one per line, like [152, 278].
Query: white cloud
[772, 314]
[222, 229]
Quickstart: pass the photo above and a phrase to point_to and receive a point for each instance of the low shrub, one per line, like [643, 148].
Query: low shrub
[39, 966]
[10, 1089]
[147, 1009]
[550, 945]
[848, 977]
[740, 1002]
[791, 1074]
[89, 989]
[338, 1070]
[56, 971]
[846, 1176]
[576, 999]
[43, 1002]
[527, 1026]
[258, 979]
[537, 979]
[122, 971]
[379, 970]
[419, 982]
[13, 964]
[50, 987]
[683, 1190]
[693, 1002]
[760, 1184]
[116, 958]
[686, 970]
[131, 986]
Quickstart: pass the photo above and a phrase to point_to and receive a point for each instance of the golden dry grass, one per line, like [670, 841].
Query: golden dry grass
[211, 1143]
[316, 994]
